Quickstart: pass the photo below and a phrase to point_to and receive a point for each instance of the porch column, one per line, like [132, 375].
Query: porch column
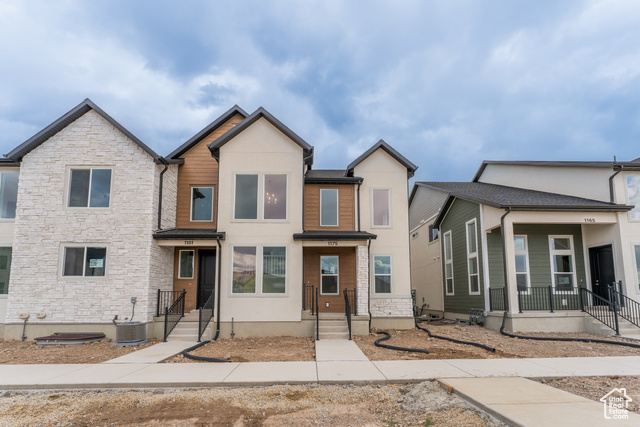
[362, 279]
[510, 267]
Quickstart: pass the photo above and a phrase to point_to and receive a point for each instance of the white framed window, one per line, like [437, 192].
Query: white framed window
[381, 207]
[84, 261]
[185, 264]
[273, 203]
[329, 207]
[201, 204]
[8, 194]
[633, 196]
[268, 277]
[89, 188]
[472, 257]
[563, 263]
[448, 264]
[329, 272]
[433, 234]
[636, 257]
[382, 274]
[5, 269]
[523, 277]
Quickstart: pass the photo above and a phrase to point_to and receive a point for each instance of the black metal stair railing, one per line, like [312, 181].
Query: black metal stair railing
[166, 299]
[173, 314]
[317, 316]
[205, 315]
[308, 298]
[600, 309]
[496, 299]
[347, 310]
[627, 308]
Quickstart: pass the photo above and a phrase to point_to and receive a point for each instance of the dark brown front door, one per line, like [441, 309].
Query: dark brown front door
[206, 275]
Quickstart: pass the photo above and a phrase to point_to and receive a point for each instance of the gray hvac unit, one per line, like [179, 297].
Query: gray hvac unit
[131, 332]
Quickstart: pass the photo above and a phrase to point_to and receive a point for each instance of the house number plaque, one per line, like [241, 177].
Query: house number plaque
[188, 242]
[332, 243]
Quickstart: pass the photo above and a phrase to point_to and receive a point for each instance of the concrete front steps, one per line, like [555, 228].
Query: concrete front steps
[627, 329]
[187, 328]
[333, 326]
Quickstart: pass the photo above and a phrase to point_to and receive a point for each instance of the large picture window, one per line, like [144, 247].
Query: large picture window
[201, 203]
[382, 274]
[562, 262]
[246, 206]
[633, 193]
[274, 200]
[185, 267]
[329, 207]
[472, 257]
[84, 261]
[329, 271]
[448, 264]
[8, 195]
[381, 207]
[522, 262]
[5, 269]
[274, 269]
[272, 276]
[275, 197]
[90, 188]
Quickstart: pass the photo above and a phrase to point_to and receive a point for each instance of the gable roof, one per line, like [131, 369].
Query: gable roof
[504, 197]
[74, 114]
[634, 165]
[411, 168]
[207, 130]
[258, 114]
[330, 176]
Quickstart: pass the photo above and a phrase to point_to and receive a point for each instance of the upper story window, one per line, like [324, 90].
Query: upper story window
[84, 261]
[522, 262]
[562, 262]
[472, 258]
[381, 207]
[274, 200]
[8, 194]
[90, 188]
[448, 264]
[329, 207]
[633, 193]
[201, 203]
[433, 234]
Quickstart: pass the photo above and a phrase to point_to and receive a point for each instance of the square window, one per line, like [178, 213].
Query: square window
[329, 207]
[84, 261]
[201, 203]
[90, 188]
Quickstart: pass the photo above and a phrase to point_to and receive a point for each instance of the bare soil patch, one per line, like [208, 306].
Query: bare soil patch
[28, 352]
[506, 347]
[594, 388]
[256, 349]
[400, 405]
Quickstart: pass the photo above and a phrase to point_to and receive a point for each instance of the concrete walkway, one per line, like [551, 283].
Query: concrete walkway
[154, 354]
[528, 403]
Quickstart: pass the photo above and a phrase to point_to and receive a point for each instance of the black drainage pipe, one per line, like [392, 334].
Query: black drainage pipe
[475, 344]
[186, 354]
[393, 347]
[522, 337]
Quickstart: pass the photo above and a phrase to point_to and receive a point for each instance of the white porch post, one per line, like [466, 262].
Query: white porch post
[362, 279]
[510, 267]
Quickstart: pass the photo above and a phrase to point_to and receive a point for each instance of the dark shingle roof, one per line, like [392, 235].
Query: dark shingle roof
[501, 196]
[330, 176]
[74, 114]
[411, 168]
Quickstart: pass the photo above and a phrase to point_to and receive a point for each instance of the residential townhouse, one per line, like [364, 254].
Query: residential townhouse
[559, 226]
[234, 223]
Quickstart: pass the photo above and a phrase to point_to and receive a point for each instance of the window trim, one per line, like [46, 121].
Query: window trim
[636, 265]
[90, 168]
[6, 295]
[259, 271]
[431, 231]
[626, 191]
[64, 247]
[524, 252]
[193, 263]
[571, 252]
[7, 172]
[373, 225]
[472, 255]
[390, 274]
[337, 224]
[264, 189]
[213, 197]
[337, 276]
[260, 196]
[448, 261]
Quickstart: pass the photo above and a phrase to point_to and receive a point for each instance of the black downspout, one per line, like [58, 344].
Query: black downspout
[619, 169]
[369, 282]
[219, 296]
[166, 166]
[359, 184]
[504, 261]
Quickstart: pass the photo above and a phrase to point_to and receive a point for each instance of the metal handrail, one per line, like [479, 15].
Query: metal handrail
[205, 314]
[166, 299]
[176, 311]
[604, 311]
[347, 310]
[307, 294]
[627, 308]
[496, 299]
[547, 298]
[317, 317]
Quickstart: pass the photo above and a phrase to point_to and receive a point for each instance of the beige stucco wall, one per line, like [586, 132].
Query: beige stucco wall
[426, 269]
[135, 265]
[629, 237]
[380, 170]
[261, 149]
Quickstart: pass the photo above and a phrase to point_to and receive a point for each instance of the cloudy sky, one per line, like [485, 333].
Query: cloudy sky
[447, 83]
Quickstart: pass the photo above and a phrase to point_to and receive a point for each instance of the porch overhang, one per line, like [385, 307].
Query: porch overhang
[586, 217]
[333, 238]
[188, 237]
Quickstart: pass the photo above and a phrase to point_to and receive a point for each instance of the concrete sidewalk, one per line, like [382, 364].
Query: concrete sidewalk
[155, 354]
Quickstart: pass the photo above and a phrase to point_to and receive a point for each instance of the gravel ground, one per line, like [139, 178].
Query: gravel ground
[401, 405]
[595, 387]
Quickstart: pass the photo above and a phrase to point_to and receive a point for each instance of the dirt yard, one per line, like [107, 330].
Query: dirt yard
[390, 405]
[506, 347]
[596, 387]
[28, 352]
[281, 349]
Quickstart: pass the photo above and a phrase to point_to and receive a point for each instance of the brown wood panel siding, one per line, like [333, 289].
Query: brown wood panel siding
[346, 207]
[199, 170]
[190, 285]
[346, 275]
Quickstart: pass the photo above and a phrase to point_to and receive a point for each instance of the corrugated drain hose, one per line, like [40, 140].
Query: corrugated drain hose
[186, 354]
[522, 337]
[393, 347]
[475, 344]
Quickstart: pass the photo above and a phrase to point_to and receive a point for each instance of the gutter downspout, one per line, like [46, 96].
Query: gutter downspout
[166, 166]
[504, 261]
[619, 169]
[359, 184]
[219, 296]
[369, 282]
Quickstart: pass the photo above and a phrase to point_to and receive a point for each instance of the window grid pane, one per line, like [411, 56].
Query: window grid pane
[274, 268]
[246, 203]
[244, 270]
[95, 262]
[100, 188]
[73, 261]
[275, 197]
[79, 188]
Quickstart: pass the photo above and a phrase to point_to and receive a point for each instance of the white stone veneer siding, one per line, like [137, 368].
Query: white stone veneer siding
[135, 265]
[362, 279]
[391, 307]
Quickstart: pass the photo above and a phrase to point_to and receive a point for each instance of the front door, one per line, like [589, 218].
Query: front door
[602, 270]
[206, 275]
